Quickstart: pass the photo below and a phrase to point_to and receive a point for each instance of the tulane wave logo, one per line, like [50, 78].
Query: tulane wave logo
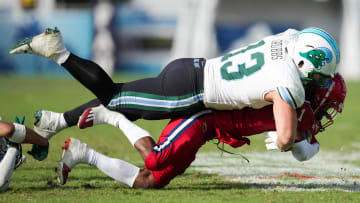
[318, 57]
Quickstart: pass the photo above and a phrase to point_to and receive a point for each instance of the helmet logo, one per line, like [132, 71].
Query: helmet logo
[318, 57]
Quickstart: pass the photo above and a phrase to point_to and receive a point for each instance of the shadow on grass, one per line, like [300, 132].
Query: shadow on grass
[189, 182]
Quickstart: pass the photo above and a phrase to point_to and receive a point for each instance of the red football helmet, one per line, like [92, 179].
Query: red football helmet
[328, 101]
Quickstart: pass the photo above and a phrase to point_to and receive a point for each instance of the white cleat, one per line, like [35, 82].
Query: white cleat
[48, 44]
[48, 123]
[74, 152]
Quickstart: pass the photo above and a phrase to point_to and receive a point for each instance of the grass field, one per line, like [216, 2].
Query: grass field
[332, 176]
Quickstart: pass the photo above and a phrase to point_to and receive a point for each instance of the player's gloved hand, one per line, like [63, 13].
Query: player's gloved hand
[270, 140]
[39, 152]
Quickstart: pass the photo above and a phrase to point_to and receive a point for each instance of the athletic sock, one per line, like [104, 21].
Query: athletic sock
[130, 130]
[117, 169]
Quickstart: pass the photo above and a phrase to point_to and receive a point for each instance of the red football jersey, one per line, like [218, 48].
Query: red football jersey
[232, 127]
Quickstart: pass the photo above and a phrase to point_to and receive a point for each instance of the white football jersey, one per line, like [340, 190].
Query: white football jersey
[242, 77]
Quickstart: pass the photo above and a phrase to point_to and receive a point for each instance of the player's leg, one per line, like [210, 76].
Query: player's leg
[50, 45]
[182, 152]
[180, 141]
[137, 136]
[176, 92]
[92, 76]
[177, 134]
[48, 123]
[72, 116]
[145, 180]
[176, 149]
[102, 115]
[161, 178]
[76, 152]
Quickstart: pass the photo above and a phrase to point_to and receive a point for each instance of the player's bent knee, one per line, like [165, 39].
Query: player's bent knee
[144, 180]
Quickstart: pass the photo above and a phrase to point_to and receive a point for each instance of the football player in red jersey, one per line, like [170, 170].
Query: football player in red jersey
[181, 138]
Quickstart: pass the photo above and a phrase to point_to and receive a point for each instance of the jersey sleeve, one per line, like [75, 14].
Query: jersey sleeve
[292, 96]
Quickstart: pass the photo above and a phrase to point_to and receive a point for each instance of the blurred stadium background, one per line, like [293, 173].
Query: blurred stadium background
[142, 36]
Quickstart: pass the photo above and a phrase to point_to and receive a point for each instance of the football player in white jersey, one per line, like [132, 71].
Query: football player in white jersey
[270, 71]
[11, 137]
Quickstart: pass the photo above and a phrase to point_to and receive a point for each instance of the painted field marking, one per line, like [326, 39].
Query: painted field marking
[280, 171]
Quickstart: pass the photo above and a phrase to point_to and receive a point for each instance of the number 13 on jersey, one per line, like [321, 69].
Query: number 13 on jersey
[242, 69]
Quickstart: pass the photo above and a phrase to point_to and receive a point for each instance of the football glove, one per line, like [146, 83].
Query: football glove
[39, 152]
[270, 140]
[22, 121]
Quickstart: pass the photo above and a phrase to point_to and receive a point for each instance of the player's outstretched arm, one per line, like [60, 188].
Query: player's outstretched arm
[19, 133]
[285, 120]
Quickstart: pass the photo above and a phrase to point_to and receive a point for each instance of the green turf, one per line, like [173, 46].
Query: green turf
[35, 181]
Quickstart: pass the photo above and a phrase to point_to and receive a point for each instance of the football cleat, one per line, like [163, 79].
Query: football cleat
[93, 116]
[74, 152]
[48, 44]
[48, 123]
[86, 119]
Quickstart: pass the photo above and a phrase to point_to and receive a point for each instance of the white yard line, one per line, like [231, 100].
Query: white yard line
[275, 170]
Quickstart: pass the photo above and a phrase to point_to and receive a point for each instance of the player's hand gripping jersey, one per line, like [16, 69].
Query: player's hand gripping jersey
[242, 77]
